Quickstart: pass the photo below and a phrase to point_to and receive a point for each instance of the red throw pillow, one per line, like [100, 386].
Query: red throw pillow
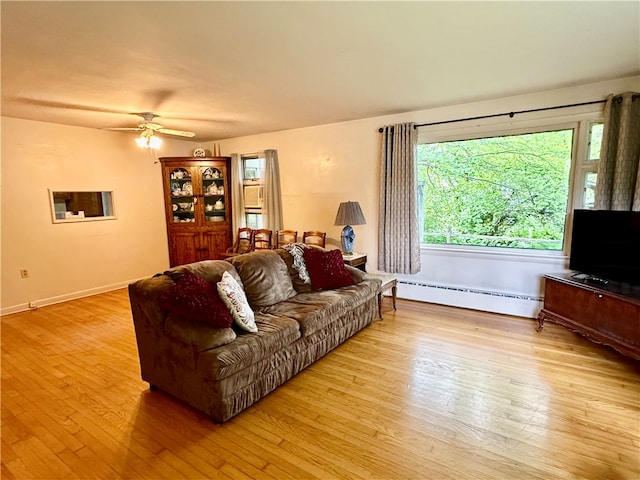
[192, 297]
[326, 269]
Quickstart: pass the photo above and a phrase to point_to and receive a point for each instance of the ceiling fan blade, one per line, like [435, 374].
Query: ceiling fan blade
[125, 129]
[66, 106]
[150, 126]
[179, 133]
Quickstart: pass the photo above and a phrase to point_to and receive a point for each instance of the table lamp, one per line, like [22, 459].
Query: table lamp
[349, 213]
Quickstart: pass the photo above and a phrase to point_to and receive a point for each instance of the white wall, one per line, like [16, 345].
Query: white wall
[70, 260]
[325, 165]
[321, 167]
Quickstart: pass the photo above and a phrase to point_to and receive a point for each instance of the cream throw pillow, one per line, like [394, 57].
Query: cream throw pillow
[234, 298]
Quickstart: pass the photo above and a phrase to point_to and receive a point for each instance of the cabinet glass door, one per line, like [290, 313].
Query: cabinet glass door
[182, 195]
[213, 190]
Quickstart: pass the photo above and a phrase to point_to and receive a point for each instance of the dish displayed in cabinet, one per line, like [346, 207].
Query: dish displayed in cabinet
[180, 174]
[214, 189]
[211, 173]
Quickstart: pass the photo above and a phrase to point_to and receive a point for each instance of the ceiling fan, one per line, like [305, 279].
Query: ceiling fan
[149, 128]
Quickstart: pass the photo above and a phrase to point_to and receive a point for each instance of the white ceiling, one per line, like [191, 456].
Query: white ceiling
[228, 69]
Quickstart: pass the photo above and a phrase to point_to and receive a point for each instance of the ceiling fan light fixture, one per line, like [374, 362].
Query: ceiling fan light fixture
[148, 140]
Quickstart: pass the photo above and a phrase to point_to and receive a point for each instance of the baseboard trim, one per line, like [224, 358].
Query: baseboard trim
[43, 302]
[489, 301]
[520, 305]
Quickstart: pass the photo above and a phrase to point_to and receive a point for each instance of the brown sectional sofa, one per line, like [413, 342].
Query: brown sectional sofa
[222, 371]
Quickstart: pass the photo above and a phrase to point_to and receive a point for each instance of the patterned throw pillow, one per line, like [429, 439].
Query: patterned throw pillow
[326, 269]
[193, 298]
[297, 252]
[234, 298]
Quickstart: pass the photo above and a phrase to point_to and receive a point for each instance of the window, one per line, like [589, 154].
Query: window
[595, 141]
[81, 206]
[589, 167]
[504, 190]
[253, 176]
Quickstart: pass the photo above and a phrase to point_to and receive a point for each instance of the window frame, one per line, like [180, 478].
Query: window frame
[585, 165]
[580, 120]
[256, 179]
[108, 208]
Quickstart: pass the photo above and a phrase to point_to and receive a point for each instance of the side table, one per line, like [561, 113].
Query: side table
[389, 281]
[358, 260]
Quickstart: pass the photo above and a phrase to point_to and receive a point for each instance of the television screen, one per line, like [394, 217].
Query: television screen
[606, 244]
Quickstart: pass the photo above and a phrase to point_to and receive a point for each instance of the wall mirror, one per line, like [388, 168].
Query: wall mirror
[83, 206]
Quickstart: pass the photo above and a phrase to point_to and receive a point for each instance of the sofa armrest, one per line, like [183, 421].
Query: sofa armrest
[357, 274]
[144, 298]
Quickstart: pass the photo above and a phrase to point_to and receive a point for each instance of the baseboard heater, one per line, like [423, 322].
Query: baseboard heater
[515, 296]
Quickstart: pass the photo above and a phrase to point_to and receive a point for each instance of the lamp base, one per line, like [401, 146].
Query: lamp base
[348, 237]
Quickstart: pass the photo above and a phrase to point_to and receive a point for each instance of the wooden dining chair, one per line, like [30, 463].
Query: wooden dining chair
[286, 236]
[314, 237]
[262, 239]
[243, 243]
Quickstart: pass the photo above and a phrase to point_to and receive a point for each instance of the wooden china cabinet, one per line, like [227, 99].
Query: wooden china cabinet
[197, 200]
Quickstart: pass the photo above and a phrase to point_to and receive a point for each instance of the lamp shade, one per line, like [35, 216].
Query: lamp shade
[350, 213]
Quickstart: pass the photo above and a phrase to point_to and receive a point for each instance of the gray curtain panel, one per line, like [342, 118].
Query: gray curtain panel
[618, 184]
[238, 219]
[398, 237]
[272, 209]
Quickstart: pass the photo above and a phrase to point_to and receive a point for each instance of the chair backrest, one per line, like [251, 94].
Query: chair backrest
[286, 236]
[243, 242]
[262, 239]
[314, 237]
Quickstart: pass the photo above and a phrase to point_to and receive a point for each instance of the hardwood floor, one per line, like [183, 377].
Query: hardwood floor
[431, 392]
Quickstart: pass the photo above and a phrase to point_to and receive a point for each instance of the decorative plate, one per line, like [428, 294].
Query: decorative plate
[187, 187]
[199, 152]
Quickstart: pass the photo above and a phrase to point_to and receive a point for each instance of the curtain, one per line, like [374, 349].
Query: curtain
[618, 184]
[272, 209]
[238, 219]
[398, 236]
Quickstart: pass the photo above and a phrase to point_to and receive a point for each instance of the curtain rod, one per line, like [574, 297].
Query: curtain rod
[510, 114]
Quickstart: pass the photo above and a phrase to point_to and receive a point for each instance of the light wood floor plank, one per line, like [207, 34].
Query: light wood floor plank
[430, 392]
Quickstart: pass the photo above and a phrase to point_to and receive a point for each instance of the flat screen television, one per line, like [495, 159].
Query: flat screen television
[606, 245]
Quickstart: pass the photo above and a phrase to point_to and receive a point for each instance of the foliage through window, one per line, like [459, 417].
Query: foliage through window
[502, 191]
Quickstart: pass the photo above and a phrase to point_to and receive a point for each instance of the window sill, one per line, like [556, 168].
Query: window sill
[495, 253]
[82, 219]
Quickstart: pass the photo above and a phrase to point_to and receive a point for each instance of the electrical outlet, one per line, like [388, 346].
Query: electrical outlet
[24, 273]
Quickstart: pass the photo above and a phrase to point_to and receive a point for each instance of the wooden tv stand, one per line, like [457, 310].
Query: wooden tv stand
[608, 314]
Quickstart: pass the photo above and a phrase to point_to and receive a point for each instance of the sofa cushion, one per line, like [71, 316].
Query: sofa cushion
[264, 276]
[234, 298]
[326, 269]
[196, 299]
[317, 310]
[274, 334]
[210, 270]
[199, 335]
